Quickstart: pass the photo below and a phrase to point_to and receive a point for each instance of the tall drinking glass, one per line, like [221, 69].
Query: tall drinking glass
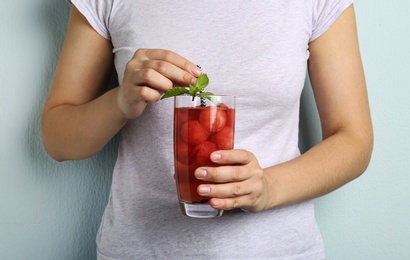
[200, 128]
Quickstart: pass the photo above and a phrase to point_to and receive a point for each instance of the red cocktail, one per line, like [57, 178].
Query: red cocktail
[200, 128]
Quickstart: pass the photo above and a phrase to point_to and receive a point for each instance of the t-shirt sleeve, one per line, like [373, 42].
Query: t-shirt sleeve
[97, 13]
[325, 13]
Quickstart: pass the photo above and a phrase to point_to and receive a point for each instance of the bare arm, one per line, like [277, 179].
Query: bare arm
[79, 117]
[340, 91]
[339, 87]
[75, 123]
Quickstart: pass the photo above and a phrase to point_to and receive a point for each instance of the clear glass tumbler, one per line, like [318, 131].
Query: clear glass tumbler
[201, 127]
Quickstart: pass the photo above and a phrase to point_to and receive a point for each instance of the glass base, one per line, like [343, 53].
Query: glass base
[198, 210]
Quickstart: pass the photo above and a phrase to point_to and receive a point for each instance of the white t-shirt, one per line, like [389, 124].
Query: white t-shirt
[256, 50]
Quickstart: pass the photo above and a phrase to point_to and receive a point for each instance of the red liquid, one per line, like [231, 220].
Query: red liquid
[198, 131]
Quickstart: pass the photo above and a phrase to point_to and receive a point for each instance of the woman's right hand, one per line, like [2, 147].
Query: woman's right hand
[79, 117]
[150, 73]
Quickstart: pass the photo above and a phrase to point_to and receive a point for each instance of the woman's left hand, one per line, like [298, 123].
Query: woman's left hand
[239, 181]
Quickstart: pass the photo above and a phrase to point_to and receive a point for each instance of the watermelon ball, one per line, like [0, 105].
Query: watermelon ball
[213, 118]
[224, 138]
[202, 152]
[230, 114]
[193, 133]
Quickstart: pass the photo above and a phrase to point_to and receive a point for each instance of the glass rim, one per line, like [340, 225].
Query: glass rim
[189, 101]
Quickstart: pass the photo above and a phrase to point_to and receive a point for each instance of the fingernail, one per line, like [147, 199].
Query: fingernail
[193, 81]
[200, 173]
[196, 71]
[216, 156]
[215, 203]
[204, 189]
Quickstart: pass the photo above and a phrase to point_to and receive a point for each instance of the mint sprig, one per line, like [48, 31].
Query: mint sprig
[201, 82]
[195, 91]
[175, 92]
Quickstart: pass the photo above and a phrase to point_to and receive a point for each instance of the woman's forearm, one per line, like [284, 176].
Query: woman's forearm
[79, 131]
[329, 165]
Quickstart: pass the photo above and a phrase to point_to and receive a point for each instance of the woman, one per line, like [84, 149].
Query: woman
[259, 52]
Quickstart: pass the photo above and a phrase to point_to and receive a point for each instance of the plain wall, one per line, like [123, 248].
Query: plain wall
[51, 210]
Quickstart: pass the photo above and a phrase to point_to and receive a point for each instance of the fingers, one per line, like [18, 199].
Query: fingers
[158, 69]
[148, 75]
[240, 165]
[229, 183]
[234, 195]
[171, 57]
[150, 78]
[239, 185]
[167, 63]
[170, 72]
[232, 157]
[223, 174]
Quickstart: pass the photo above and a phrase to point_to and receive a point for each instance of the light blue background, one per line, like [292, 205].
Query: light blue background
[52, 210]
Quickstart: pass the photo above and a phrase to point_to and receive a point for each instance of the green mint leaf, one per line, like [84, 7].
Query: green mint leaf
[192, 90]
[175, 92]
[202, 81]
